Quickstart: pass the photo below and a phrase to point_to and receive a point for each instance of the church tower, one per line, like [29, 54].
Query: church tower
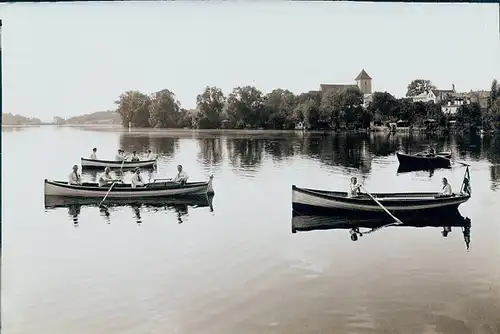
[364, 82]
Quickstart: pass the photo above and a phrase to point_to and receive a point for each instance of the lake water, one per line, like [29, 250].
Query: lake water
[239, 268]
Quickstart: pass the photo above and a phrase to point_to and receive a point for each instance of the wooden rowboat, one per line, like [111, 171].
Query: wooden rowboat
[313, 200]
[204, 200]
[423, 161]
[90, 163]
[125, 191]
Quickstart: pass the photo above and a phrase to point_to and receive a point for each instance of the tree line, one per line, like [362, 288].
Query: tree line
[247, 107]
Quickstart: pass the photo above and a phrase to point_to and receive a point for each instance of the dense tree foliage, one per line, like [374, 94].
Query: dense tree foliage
[246, 107]
[419, 86]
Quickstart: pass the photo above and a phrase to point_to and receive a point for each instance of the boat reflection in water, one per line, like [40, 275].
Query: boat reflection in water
[180, 205]
[362, 226]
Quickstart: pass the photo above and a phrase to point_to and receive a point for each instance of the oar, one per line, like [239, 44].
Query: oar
[380, 204]
[109, 190]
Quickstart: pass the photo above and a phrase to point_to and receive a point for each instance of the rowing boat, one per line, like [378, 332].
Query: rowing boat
[91, 163]
[314, 200]
[125, 190]
[305, 200]
[423, 161]
[204, 200]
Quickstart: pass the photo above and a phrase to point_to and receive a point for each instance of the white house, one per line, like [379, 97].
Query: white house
[455, 100]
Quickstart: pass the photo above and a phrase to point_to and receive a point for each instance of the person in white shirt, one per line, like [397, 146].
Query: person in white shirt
[119, 156]
[134, 157]
[150, 156]
[106, 178]
[93, 156]
[354, 187]
[446, 188]
[74, 178]
[182, 176]
[137, 180]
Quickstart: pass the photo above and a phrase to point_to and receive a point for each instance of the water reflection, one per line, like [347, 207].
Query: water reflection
[244, 152]
[210, 151]
[141, 142]
[362, 227]
[180, 205]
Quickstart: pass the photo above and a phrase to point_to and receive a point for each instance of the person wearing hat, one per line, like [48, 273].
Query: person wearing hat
[137, 180]
[106, 178]
[74, 178]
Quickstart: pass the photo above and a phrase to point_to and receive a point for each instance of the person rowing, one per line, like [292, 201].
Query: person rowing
[354, 187]
[119, 156]
[150, 156]
[74, 178]
[182, 176]
[106, 177]
[137, 180]
[93, 155]
[134, 157]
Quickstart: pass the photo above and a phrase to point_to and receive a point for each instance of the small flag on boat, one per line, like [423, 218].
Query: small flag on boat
[466, 184]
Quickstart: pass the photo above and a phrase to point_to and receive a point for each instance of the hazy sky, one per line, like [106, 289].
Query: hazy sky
[70, 59]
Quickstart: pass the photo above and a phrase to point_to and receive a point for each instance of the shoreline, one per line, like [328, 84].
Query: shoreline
[172, 131]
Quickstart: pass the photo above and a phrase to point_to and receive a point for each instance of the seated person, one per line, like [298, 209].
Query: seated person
[182, 176]
[106, 178]
[134, 157]
[137, 180]
[74, 178]
[354, 187]
[446, 188]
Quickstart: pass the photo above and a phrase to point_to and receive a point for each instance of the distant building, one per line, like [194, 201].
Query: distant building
[363, 83]
[481, 97]
[434, 95]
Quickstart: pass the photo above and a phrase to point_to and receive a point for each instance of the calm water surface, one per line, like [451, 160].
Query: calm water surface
[238, 268]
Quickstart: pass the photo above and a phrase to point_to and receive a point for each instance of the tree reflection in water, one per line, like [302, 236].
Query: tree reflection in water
[210, 151]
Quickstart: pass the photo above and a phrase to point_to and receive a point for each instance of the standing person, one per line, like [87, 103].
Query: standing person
[182, 176]
[137, 180]
[93, 155]
[74, 178]
[354, 187]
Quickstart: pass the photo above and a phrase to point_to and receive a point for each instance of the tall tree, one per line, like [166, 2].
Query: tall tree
[384, 104]
[419, 86]
[210, 105]
[245, 106]
[133, 108]
[494, 93]
[164, 110]
[280, 105]
[349, 104]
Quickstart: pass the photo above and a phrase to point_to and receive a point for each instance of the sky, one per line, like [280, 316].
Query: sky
[69, 59]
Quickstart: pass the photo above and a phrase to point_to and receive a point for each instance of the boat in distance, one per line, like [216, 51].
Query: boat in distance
[427, 161]
[306, 200]
[125, 190]
[91, 163]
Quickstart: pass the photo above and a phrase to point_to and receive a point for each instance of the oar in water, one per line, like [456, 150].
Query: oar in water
[109, 190]
[383, 207]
